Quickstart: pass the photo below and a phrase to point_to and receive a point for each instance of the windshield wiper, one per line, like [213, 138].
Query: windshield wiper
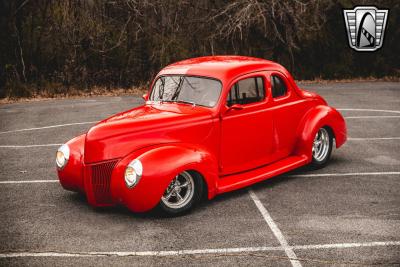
[181, 101]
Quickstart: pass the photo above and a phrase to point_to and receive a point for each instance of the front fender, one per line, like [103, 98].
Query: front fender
[160, 165]
[313, 120]
[71, 177]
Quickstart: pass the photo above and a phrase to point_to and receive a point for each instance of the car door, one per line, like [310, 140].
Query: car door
[247, 140]
[289, 109]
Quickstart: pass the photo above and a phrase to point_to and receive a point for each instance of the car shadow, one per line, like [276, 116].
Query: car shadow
[79, 199]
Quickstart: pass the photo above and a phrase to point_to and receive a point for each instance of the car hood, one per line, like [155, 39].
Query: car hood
[144, 126]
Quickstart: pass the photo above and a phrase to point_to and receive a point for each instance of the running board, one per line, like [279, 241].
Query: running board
[236, 181]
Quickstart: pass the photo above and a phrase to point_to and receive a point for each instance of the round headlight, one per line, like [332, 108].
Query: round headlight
[62, 156]
[133, 173]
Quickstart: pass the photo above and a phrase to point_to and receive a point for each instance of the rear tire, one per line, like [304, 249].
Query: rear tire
[322, 148]
[182, 194]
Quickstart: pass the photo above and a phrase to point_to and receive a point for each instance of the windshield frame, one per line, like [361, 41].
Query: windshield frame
[185, 75]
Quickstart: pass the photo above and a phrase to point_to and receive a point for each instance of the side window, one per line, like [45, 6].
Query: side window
[246, 91]
[278, 86]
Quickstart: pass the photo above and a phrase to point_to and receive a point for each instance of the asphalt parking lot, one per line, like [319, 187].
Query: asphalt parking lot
[345, 214]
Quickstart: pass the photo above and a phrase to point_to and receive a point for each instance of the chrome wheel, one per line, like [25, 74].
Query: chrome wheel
[179, 192]
[321, 145]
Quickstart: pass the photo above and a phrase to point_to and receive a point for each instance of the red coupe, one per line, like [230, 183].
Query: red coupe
[209, 125]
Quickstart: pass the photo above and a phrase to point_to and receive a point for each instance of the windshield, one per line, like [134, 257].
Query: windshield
[187, 89]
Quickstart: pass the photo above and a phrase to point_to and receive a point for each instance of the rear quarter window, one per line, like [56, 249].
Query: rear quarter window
[278, 86]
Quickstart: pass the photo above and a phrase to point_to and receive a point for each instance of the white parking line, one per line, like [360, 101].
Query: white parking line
[295, 175]
[90, 122]
[161, 253]
[372, 110]
[349, 139]
[48, 127]
[274, 228]
[27, 146]
[348, 245]
[29, 182]
[371, 117]
[345, 174]
[372, 138]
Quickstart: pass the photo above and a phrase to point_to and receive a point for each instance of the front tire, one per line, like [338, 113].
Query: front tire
[322, 148]
[184, 191]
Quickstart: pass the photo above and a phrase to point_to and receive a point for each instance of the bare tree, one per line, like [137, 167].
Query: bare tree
[56, 45]
[282, 23]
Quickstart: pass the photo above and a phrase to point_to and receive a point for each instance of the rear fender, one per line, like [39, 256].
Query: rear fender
[160, 165]
[313, 120]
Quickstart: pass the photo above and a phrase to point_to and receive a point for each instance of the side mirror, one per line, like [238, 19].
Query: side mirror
[235, 107]
[145, 97]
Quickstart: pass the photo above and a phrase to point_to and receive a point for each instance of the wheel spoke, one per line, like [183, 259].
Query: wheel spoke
[169, 195]
[179, 197]
[182, 185]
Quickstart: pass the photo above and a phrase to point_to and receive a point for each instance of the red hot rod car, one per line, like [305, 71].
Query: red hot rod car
[209, 125]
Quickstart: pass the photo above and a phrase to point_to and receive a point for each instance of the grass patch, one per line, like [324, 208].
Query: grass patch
[24, 93]
[360, 79]
[27, 94]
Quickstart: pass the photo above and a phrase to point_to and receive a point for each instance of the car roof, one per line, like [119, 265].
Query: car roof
[222, 67]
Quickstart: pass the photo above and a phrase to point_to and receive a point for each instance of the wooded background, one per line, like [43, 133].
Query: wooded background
[59, 45]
